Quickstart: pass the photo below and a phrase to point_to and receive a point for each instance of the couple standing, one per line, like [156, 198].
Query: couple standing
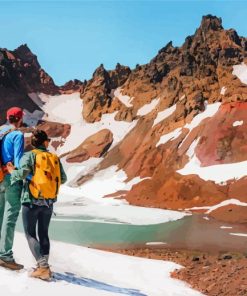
[32, 180]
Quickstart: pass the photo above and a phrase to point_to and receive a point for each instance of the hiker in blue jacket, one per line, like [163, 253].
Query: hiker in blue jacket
[12, 149]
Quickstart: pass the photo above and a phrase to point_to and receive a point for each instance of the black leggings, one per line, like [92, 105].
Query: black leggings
[32, 216]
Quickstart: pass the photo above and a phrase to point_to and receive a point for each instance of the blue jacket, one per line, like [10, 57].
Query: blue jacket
[12, 148]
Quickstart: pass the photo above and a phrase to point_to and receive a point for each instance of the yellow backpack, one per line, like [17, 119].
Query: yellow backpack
[46, 180]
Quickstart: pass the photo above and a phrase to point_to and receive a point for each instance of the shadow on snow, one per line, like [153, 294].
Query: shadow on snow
[90, 283]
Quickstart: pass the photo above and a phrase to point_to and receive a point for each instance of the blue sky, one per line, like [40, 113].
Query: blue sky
[71, 38]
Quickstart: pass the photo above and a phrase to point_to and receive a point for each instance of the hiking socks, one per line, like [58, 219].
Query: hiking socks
[43, 261]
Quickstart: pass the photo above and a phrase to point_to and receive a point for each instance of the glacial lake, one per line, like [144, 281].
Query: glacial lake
[191, 232]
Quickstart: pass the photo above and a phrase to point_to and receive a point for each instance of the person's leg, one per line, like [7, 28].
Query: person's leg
[11, 212]
[43, 229]
[2, 205]
[30, 219]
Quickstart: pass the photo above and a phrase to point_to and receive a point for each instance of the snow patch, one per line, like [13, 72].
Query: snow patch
[210, 111]
[237, 123]
[183, 97]
[225, 227]
[144, 110]
[223, 90]
[191, 151]
[62, 108]
[155, 243]
[164, 114]
[241, 72]
[238, 234]
[217, 173]
[170, 136]
[126, 100]
[32, 119]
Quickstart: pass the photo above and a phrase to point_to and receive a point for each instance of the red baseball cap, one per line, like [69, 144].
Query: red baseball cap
[15, 111]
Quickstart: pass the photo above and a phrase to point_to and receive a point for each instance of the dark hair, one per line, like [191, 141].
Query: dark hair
[38, 138]
[13, 119]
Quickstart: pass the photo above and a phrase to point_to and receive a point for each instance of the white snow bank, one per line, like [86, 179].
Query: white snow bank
[164, 114]
[238, 234]
[126, 100]
[88, 200]
[104, 182]
[115, 214]
[210, 111]
[170, 136]
[241, 72]
[84, 271]
[74, 170]
[217, 173]
[144, 110]
[224, 203]
[237, 123]
[191, 151]
[225, 227]
[62, 108]
[155, 243]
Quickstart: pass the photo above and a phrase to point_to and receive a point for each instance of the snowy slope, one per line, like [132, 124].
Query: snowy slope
[68, 109]
[88, 200]
[83, 271]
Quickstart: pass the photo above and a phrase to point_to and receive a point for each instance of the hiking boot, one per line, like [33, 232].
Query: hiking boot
[11, 265]
[43, 273]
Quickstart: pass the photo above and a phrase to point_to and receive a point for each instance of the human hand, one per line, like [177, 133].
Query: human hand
[10, 167]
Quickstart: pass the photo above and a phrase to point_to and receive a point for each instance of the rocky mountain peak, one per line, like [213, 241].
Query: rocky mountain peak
[100, 71]
[167, 48]
[210, 22]
[24, 53]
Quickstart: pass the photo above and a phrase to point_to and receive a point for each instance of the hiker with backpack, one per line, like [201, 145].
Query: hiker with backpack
[44, 173]
[12, 149]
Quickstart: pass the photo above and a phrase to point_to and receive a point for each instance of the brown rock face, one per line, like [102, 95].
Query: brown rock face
[21, 70]
[231, 213]
[54, 130]
[20, 74]
[72, 86]
[97, 94]
[94, 146]
[221, 141]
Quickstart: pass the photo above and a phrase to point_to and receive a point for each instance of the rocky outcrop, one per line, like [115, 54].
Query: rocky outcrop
[58, 133]
[94, 146]
[97, 95]
[73, 86]
[20, 74]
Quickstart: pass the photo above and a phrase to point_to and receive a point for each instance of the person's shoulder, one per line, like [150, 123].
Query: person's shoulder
[16, 133]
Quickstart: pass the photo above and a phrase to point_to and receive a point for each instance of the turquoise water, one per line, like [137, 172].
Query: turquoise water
[191, 232]
[88, 233]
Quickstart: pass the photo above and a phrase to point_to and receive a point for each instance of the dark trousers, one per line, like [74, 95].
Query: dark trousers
[37, 218]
